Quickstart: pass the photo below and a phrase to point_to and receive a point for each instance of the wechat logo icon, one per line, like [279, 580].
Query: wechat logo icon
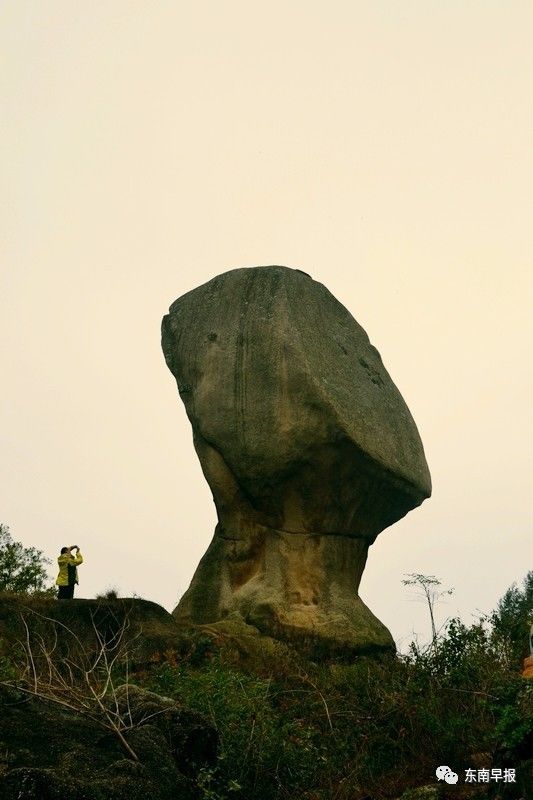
[446, 774]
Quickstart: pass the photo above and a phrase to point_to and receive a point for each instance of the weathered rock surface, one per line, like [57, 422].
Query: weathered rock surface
[52, 754]
[50, 751]
[149, 627]
[308, 448]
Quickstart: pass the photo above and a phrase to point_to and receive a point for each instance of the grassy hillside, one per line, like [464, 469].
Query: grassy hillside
[273, 724]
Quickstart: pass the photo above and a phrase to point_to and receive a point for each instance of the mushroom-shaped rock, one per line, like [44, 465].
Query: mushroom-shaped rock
[307, 445]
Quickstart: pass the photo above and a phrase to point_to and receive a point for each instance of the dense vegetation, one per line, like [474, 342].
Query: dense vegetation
[287, 727]
[366, 729]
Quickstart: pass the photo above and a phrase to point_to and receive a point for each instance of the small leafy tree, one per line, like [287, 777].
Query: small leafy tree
[511, 621]
[22, 569]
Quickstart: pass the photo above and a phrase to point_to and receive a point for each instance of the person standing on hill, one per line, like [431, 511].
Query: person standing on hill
[68, 572]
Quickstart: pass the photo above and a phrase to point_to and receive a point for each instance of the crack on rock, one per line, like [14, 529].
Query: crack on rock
[260, 526]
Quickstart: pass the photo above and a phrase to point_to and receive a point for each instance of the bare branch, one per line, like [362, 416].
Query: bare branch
[82, 681]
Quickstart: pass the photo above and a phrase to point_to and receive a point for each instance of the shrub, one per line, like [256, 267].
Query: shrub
[348, 731]
[22, 569]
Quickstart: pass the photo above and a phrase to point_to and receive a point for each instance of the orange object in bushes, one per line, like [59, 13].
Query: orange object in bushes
[527, 672]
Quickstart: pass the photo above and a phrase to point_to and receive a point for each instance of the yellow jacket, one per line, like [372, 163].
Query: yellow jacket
[68, 572]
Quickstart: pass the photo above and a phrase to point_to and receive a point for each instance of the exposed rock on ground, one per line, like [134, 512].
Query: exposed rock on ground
[49, 751]
[308, 448]
[50, 754]
[148, 626]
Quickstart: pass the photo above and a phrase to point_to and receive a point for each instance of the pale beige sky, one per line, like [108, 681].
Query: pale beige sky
[383, 147]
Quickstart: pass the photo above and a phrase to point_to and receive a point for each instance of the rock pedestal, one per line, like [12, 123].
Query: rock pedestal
[307, 445]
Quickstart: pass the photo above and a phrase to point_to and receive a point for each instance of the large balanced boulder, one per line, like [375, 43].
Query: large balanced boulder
[307, 445]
